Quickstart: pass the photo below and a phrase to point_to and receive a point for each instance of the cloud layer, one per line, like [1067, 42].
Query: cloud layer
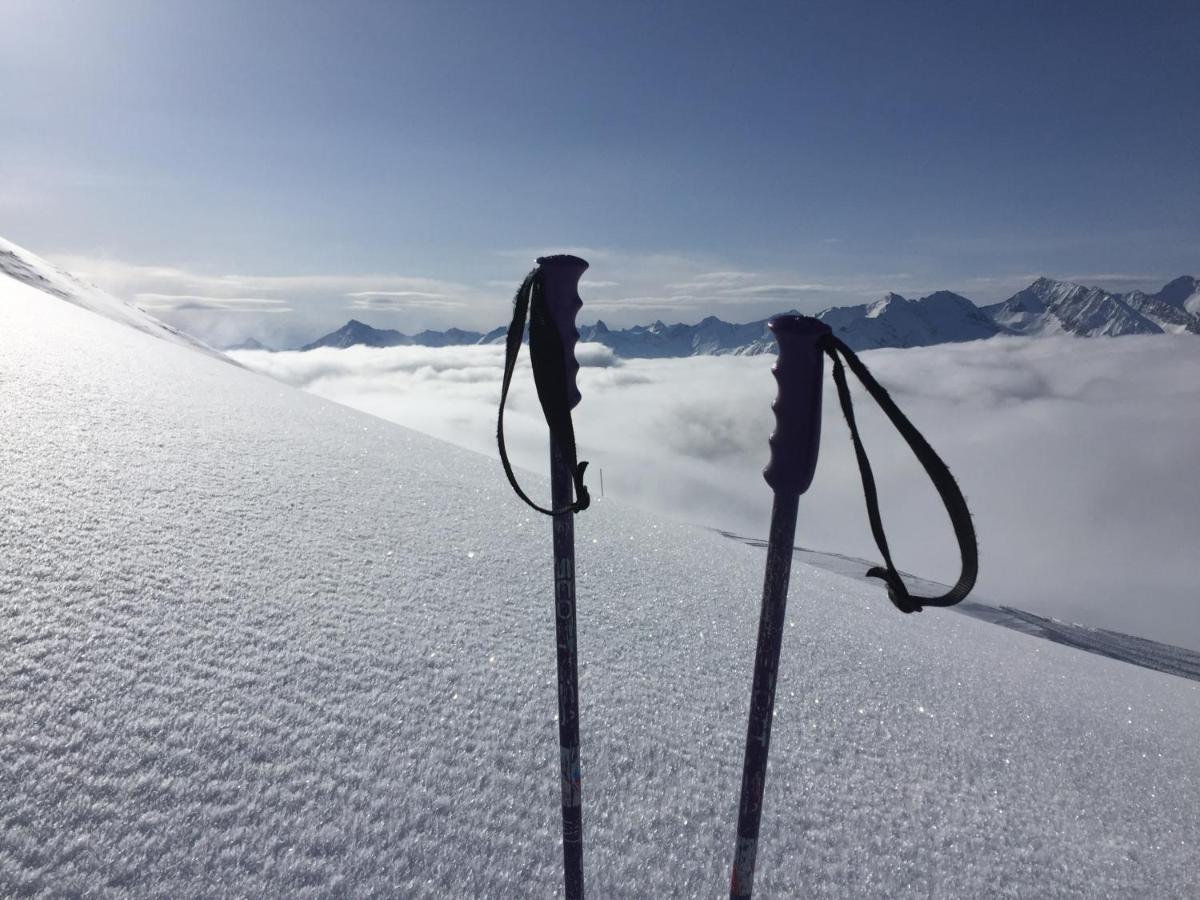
[1077, 457]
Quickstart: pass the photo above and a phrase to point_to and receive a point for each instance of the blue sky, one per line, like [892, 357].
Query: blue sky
[403, 162]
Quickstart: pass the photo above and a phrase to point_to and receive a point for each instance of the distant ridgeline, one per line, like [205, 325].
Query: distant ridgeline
[1045, 307]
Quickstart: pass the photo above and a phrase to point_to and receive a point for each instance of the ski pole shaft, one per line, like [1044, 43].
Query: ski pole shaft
[789, 473]
[561, 488]
[762, 694]
[561, 276]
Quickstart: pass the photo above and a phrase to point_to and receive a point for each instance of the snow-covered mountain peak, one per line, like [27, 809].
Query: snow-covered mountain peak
[249, 343]
[356, 333]
[1045, 284]
[945, 299]
[1179, 289]
[881, 306]
[1050, 290]
[1048, 306]
[1182, 293]
[896, 321]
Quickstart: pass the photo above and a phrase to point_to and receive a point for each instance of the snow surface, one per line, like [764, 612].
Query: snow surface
[253, 643]
[1113, 644]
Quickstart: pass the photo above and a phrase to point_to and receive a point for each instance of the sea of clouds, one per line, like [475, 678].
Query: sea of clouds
[1078, 457]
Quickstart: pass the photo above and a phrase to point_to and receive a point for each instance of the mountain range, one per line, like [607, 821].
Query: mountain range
[1045, 307]
[355, 333]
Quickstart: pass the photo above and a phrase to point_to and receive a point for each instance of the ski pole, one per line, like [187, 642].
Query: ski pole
[550, 294]
[563, 304]
[802, 342]
[790, 471]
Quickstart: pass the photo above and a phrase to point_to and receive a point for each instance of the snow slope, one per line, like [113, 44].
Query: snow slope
[256, 644]
[28, 268]
[1114, 644]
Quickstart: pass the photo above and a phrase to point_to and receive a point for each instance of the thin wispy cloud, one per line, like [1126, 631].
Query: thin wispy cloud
[167, 302]
[645, 307]
[110, 271]
[294, 308]
[391, 301]
[783, 290]
[714, 281]
[1122, 278]
[528, 254]
[400, 294]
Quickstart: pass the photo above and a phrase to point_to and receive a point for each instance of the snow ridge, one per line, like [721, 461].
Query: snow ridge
[895, 321]
[1062, 307]
[28, 268]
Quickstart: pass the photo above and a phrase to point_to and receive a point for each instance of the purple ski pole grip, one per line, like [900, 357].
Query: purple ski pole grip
[797, 406]
[560, 280]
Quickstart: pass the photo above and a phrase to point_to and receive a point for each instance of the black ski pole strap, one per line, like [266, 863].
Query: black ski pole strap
[549, 376]
[952, 498]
